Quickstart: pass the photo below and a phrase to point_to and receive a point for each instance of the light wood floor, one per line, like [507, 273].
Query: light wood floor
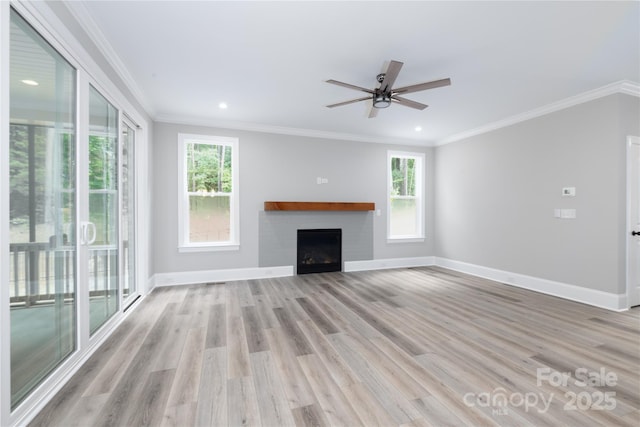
[410, 347]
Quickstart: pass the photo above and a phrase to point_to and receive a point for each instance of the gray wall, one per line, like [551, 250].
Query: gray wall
[496, 194]
[279, 167]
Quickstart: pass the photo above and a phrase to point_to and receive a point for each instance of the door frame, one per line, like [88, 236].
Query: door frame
[631, 288]
[124, 119]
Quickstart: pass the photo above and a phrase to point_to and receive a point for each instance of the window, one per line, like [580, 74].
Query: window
[208, 208]
[405, 213]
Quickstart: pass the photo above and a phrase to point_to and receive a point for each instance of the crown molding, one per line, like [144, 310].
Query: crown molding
[630, 88]
[282, 130]
[88, 24]
[624, 86]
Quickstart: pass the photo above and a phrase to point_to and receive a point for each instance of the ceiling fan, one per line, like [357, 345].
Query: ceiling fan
[384, 95]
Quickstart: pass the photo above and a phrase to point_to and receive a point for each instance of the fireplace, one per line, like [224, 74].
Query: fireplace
[319, 250]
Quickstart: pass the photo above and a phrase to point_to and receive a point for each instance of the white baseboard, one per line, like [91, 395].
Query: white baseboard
[381, 264]
[151, 283]
[209, 276]
[610, 301]
[634, 297]
[607, 300]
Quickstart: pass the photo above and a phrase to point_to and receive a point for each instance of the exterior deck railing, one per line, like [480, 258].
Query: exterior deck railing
[40, 271]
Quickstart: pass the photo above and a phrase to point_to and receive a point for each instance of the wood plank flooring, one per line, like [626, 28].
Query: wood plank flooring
[406, 347]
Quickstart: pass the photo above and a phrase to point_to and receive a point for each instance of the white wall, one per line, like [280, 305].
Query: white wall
[279, 167]
[496, 194]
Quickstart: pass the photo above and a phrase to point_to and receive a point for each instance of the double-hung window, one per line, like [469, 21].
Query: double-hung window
[208, 193]
[405, 213]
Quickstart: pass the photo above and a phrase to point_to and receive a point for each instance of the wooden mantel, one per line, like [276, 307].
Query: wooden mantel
[319, 206]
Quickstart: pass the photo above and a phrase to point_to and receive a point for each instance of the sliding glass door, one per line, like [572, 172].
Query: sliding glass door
[42, 241]
[100, 233]
[72, 213]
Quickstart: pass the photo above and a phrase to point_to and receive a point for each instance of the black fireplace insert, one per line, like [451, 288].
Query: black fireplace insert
[319, 250]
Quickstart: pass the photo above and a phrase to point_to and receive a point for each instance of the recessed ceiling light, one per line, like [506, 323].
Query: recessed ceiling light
[418, 128]
[30, 82]
[223, 106]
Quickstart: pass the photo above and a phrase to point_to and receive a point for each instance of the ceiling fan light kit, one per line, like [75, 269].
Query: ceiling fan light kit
[381, 100]
[383, 96]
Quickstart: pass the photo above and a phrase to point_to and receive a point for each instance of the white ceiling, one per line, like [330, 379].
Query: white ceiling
[269, 60]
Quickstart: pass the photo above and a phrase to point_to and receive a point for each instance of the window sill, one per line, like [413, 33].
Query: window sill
[209, 248]
[405, 239]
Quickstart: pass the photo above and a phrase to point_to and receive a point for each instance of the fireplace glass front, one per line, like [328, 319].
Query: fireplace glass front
[319, 250]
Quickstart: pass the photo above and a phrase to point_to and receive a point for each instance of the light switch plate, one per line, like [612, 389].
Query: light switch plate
[568, 191]
[565, 213]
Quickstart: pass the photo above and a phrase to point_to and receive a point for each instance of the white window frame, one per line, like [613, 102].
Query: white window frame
[419, 177]
[183, 196]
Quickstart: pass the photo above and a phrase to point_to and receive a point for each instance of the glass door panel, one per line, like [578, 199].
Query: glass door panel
[42, 241]
[101, 235]
[128, 211]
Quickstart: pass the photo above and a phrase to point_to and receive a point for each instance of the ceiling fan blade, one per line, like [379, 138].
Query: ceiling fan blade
[390, 76]
[350, 86]
[422, 86]
[408, 103]
[339, 104]
[373, 111]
